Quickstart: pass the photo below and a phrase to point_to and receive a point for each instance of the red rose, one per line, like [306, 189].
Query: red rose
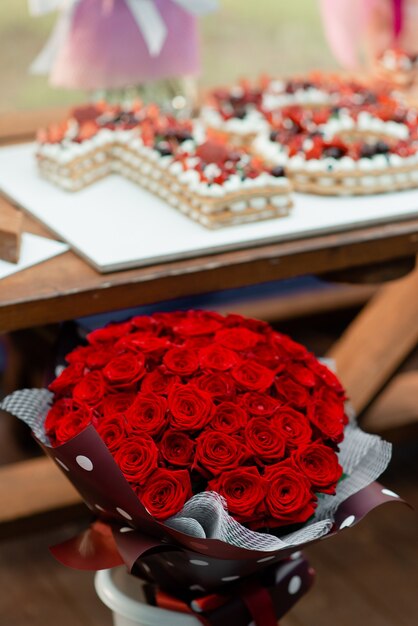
[55, 414]
[215, 357]
[137, 458]
[289, 497]
[144, 323]
[220, 399]
[177, 448]
[148, 414]
[267, 355]
[125, 370]
[326, 413]
[237, 338]
[166, 492]
[250, 375]
[98, 357]
[257, 326]
[79, 354]
[68, 378]
[117, 403]
[259, 404]
[159, 381]
[264, 440]
[326, 375]
[290, 392]
[109, 333]
[217, 452]
[143, 343]
[219, 386]
[320, 465]
[293, 426]
[228, 418]
[190, 408]
[113, 432]
[244, 491]
[196, 323]
[301, 374]
[181, 361]
[66, 419]
[91, 389]
[288, 347]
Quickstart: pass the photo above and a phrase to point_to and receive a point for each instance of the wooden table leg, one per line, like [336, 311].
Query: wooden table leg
[378, 340]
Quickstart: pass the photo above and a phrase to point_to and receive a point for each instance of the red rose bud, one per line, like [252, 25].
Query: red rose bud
[190, 408]
[97, 358]
[159, 381]
[220, 386]
[109, 333]
[79, 354]
[66, 381]
[217, 452]
[258, 404]
[293, 426]
[301, 375]
[66, 419]
[117, 404]
[215, 357]
[286, 346]
[196, 323]
[229, 418]
[289, 497]
[250, 375]
[257, 326]
[326, 375]
[177, 448]
[181, 361]
[125, 370]
[90, 390]
[237, 338]
[148, 414]
[268, 356]
[66, 412]
[142, 343]
[166, 492]
[113, 431]
[144, 323]
[290, 392]
[320, 465]
[244, 491]
[264, 440]
[326, 414]
[137, 458]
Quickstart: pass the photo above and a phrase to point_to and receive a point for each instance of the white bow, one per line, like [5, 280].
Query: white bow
[145, 13]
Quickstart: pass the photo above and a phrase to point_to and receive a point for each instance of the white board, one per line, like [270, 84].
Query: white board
[114, 224]
[34, 250]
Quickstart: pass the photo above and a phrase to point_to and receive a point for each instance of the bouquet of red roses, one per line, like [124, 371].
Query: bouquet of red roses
[197, 402]
[186, 432]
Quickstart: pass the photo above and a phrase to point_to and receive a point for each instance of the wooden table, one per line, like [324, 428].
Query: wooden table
[372, 348]
[66, 287]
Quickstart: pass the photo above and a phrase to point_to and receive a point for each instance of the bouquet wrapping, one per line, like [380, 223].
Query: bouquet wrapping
[209, 448]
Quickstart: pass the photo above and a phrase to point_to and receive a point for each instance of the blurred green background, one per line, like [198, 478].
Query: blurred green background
[246, 38]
